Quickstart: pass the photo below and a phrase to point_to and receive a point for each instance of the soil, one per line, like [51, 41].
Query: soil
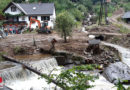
[105, 56]
[105, 29]
[123, 41]
[76, 44]
[33, 57]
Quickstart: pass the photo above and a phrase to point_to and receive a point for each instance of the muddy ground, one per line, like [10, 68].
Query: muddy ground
[123, 41]
[76, 44]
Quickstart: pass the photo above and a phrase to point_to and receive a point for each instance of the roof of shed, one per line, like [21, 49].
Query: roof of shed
[126, 15]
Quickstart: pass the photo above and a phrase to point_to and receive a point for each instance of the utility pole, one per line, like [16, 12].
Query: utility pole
[101, 12]
[106, 12]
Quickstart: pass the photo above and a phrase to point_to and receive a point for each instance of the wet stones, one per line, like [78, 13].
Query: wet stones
[117, 71]
[103, 56]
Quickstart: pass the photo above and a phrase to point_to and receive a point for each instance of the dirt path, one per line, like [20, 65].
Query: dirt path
[116, 15]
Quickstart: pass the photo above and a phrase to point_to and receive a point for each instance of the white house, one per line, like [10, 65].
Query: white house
[21, 12]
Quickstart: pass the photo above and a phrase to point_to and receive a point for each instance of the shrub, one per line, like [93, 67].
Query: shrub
[2, 53]
[19, 50]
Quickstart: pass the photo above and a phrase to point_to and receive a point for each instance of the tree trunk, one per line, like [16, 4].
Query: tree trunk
[101, 12]
[65, 39]
[106, 17]
[33, 70]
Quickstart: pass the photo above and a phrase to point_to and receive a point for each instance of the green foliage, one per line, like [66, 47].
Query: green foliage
[3, 4]
[82, 8]
[2, 53]
[19, 50]
[123, 29]
[18, 1]
[88, 67]
[74, 79]
[77, 14]
[1, 23]
[115, 39]
[120, 86]
[127, 6]
[64, 23]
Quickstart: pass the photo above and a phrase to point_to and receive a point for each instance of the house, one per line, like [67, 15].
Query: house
[20, 14]
[126, 17]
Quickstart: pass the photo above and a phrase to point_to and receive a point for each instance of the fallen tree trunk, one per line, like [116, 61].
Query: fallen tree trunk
[7, 58]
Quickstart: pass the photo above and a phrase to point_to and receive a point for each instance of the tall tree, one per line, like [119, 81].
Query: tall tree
[18, 1]
[64, 23]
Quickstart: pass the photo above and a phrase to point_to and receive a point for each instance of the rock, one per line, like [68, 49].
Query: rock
[117, 71]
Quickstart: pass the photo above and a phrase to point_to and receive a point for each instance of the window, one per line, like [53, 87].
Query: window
[34, 17]
[13, 8]
[23, 18]
[45, 18]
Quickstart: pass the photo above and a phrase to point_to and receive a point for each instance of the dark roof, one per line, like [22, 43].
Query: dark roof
[94, 42]
[35, 8]
[126, 15]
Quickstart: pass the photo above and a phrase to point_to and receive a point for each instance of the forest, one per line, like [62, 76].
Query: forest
[77, 8]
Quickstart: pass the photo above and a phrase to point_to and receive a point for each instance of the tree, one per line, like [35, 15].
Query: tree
[75, 78]
[18, 1]
[3, 4]
[64, 23]
[77, 14]
[71, 79]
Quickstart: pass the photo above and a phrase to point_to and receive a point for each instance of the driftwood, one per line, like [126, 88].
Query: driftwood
[7, 58]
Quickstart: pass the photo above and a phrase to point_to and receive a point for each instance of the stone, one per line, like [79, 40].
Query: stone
[117, 71]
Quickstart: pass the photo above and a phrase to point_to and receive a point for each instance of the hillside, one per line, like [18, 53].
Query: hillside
[77, 8]
[3, 4]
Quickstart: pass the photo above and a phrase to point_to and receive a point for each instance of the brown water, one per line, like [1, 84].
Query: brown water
[5, 66]
[33, 57]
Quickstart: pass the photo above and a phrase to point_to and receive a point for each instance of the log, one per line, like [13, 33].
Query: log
[7, 58]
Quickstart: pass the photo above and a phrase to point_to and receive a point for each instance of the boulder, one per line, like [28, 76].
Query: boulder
[117, 71]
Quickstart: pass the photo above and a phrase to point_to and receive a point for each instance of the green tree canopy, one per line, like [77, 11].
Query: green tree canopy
[64, 23]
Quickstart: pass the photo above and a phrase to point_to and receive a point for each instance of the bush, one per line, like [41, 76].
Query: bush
[65, 23]
[2, 53]
[77, 14]
[19, 50]
[124, 29]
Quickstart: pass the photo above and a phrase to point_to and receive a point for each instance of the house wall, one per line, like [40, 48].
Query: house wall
[13, 13]
[50, 23]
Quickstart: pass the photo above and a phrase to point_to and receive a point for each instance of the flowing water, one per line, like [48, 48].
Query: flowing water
[18, 78]
[125, 53]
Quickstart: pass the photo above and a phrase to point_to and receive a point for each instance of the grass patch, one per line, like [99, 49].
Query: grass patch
[19, 50]
[122, 29]
[2, 53]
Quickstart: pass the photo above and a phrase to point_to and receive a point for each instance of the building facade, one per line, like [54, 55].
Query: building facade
[18, 13]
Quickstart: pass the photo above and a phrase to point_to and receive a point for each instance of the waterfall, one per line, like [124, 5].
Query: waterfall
[14, 73]
[125, 53]
[19, 78]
